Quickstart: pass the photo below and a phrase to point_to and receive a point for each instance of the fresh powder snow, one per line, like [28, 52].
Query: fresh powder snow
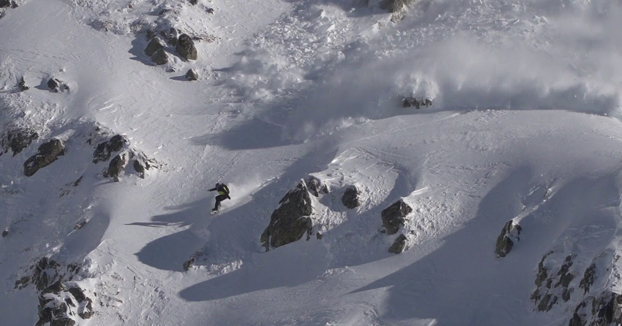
[473, 113]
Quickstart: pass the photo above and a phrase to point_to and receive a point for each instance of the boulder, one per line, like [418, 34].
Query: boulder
[185, 47]
[505, 241]
[194, 2]
[22, 85]
[105, 149]
[47, 154]
[5, 233]
[393, 217]
[291, 220]
[5, 3]
[56, 85]
[160, 57]
[408, 102]
[192, 75]
[350, 198]
[154, 45]
[18, 139]
[116, 166]
[399, 245]
[139, 167]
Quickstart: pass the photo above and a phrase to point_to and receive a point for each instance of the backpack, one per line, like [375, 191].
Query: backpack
[223, 187]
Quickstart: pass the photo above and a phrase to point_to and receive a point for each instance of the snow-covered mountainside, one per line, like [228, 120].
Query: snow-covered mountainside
[391, 162]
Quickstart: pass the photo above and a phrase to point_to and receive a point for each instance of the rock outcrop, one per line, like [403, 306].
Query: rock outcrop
[17, 139]
[105, 149]
[154, 45]
[185, 48]
[155, 50]
[396, 7]
[409, 102]
[553, 283]
[160, 57]
[605, 309]
[291, 220]
[48, 153]
[116, 166]
[393, 217]
[126, 155]
[22, 85]
[505, 242]
[399, 245]
[61, 301]
[56, 85]
[350, 198]
[315, 186]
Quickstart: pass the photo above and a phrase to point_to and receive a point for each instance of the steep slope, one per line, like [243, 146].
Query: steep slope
[518, 129]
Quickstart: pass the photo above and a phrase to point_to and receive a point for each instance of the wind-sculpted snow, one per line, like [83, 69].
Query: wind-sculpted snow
[518, 120]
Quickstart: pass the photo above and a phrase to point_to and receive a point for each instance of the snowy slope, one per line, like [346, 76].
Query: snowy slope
[524, 125]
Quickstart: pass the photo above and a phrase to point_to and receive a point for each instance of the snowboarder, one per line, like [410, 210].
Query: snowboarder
[223, 193]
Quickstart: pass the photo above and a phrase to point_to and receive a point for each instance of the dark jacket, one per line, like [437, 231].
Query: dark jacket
[222, 189]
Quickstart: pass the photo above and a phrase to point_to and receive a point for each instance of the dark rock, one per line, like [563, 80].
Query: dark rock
[77, 293]
[116, 166]
[22, 85]
[56, 85]
[398, 245]
[86, 309]
[393, 217]
[601, 310]
[45, 273]
[56, 287]
[14, 5]
[80, 225]
[588, 279]
[154, 45]
[139, 168]
[550, 284]
[505, 241]
[150, 34]
[413, 102]
[5, 233]
[396, 7]
[565, 277]
[350, 198]
[18, 139]
[315, 186]
[105, 149]
[194, 2]
[160, 57]
[192, 75]
[291, 220]
[5, 3]
[185, 47]
[48, 153]
[22, 282]
[210, 10]
[63, 322]
[188, 264]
